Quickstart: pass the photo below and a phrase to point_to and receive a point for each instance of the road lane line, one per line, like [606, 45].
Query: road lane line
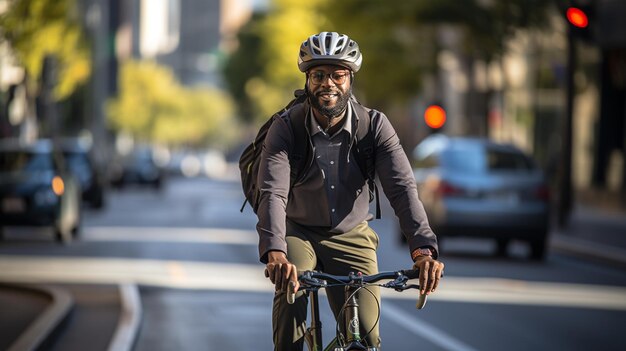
[423, 329]
[162, 234]
[249, 277]
[129, 321]
[520, 292]
[176, 271]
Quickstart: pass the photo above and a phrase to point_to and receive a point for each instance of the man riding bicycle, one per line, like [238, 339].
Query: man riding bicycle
[320, 222]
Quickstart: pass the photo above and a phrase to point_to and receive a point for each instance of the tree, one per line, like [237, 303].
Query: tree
[244, 64]
[47, 41]
[263, 73]
[398, 40]
[36, 29]
[152, 106]
[403, 42]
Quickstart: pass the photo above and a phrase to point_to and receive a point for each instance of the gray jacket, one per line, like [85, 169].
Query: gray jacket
[307, 203]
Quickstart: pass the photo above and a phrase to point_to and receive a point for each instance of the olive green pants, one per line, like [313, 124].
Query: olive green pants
[311, 248]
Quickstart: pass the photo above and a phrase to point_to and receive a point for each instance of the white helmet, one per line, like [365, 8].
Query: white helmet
[329, 48]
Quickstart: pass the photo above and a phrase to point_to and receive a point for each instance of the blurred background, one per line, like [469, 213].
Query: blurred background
[181, 77]
[125, 120]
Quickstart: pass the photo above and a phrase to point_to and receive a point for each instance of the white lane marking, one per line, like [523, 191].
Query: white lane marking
[249, 277]
[129, 320]
[423, 329]
[161, 234]
[172, 273]
[521, 292]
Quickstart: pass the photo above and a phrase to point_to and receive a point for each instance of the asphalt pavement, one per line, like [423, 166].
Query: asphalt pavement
[593, 233]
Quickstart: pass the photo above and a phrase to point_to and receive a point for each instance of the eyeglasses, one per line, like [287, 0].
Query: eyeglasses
[319, 77]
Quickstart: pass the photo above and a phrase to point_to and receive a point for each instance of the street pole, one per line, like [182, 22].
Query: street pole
[565, 181]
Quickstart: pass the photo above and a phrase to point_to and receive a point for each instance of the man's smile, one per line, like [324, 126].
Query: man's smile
[328, 96]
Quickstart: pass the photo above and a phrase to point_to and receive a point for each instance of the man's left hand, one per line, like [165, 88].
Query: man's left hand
[430, 273]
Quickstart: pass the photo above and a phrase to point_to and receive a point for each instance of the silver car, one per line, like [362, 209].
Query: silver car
[474, 187]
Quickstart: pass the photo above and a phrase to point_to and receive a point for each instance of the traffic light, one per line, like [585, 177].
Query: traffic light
[577, 17]
[581, 18]
[435, 117]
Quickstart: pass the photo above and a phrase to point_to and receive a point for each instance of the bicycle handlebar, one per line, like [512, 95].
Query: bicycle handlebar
[312, 280]
[312, 277]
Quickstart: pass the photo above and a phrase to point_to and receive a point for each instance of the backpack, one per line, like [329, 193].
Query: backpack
[251, 156]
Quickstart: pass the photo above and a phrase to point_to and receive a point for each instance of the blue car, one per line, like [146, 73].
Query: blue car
[474, 187]
[37, 189]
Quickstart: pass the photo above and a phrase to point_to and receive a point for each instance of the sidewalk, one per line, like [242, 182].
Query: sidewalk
[593, 233]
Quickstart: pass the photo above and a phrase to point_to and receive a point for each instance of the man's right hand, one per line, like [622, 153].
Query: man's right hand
[281, 272]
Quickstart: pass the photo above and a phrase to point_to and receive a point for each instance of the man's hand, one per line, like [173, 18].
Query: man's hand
[281, 272]
[430, 273]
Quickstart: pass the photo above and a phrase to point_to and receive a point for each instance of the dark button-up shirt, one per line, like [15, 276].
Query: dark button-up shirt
[333, 193]
[327, 153]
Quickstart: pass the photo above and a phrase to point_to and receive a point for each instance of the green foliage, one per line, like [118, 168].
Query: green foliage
[38, 28]
[153, 106]
[487, 24]
[263, 73]
[243, 65]
[396, 50]
[398, 39]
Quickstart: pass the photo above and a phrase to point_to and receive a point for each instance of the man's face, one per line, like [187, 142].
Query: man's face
[330, 89]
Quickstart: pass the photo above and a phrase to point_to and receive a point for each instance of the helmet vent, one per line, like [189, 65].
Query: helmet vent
[316, 41]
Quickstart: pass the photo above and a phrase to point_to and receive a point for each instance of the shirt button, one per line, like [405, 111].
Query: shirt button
[332, 187]
[333, 210]
[332, 162]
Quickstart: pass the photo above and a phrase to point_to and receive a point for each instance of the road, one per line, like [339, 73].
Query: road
[193, 256]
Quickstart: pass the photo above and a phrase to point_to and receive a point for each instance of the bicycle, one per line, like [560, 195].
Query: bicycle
[311, 282]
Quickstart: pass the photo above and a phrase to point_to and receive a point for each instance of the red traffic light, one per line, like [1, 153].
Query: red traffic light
[577, 17]
[435, 116]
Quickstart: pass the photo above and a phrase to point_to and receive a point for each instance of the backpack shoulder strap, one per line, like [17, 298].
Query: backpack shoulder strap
[296, 113]
[365, 150]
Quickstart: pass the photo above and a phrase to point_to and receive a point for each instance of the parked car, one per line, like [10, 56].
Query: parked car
[137, 168]
[37, 189]
[474, 187]
[81, 163]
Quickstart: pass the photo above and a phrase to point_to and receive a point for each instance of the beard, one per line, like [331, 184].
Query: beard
[335, 111]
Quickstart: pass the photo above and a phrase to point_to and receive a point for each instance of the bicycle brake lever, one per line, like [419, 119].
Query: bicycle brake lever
[403, 287]
[421, 301]
[291, 295]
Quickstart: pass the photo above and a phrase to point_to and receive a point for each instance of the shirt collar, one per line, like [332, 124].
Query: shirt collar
[315, 127]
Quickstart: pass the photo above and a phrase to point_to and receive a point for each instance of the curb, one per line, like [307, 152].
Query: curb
[129, 322]
[588, 250]
[48, 322]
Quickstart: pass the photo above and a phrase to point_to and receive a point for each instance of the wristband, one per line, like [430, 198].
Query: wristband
[422, 251]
